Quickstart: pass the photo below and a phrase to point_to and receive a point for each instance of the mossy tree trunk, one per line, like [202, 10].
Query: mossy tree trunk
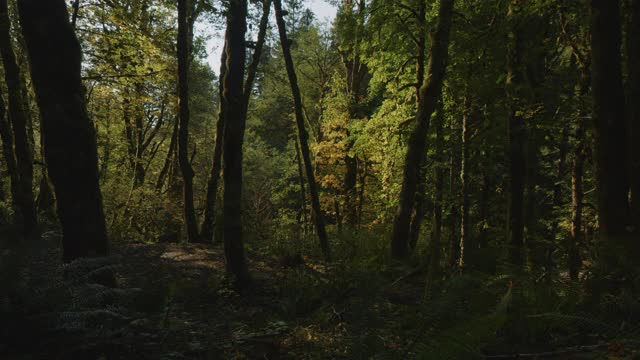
[429, 95]
[70, 148]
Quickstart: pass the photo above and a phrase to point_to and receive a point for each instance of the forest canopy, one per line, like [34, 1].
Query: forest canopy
[413, 179]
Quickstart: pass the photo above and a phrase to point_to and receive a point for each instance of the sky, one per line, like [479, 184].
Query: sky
[325, 13]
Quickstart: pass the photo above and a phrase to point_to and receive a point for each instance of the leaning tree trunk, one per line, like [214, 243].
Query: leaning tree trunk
[70, 148]
[633, 49]
[430, 92]
[303, 136]
[234, 126]
[609, 118]
[183, 129]
[18, 114]
[517, 132]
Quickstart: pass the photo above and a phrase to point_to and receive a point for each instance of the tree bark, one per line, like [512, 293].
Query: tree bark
[633, 49]
[6, 134]
[421, 196]
[609, 118]
[517, 137]
[207, 229]
[576, 235]
[70, 148]
[430, 93]
[303, 136]
[466, 248]
[183, 128]
[234, 126]
[212, 185]
[19, 116]
[435, 246]
[173, 143]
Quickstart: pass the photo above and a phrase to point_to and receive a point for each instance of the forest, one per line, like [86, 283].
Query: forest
[407, 179]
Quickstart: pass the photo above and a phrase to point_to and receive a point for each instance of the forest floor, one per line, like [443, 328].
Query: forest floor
[202, 317]
[295, 308]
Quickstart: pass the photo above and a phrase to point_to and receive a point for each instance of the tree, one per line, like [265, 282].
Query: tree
[19, 116]
[183, 128]
[212, 186]
[70, 148]
[303, 136]
[517, 129]
[234, 128]
[609, 120]
[430, 92]
[6, 135]
[633, 61]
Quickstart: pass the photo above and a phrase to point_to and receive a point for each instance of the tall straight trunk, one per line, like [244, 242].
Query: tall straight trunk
[303, 136]
[633, 49]
[609, 118]
[577, 195]
[173, 143]
[363, 181]
[183, 128]
[483, 211]
[19, 116]
[207, 228]
[208, 220]
[577, 170]
[466, 248]
[45, 200]
[435, 245]
[419, 212]
[429, 95]
[421, 196]
[517, 137]
[70, 148]
[454, 206]
[6, 135]
[355, 71]
[133, 132]
[234, 126]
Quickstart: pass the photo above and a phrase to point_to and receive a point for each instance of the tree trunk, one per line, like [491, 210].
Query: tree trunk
[454, 206]
[429, 95]
[173, 143]
[302, 214]
[303, 136]
[208, 220]
[577, 170]
[483, 211]
[212, 185]
[70, 147]
[609, 119]
[466, 248]
[435, 246]
[576, 203]
[19, 116]
[420, 210]
[234, 126]
[421, 196]
[633, 48]
[6, 134]
[133, 132]
[517, 137]
[183, 128]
